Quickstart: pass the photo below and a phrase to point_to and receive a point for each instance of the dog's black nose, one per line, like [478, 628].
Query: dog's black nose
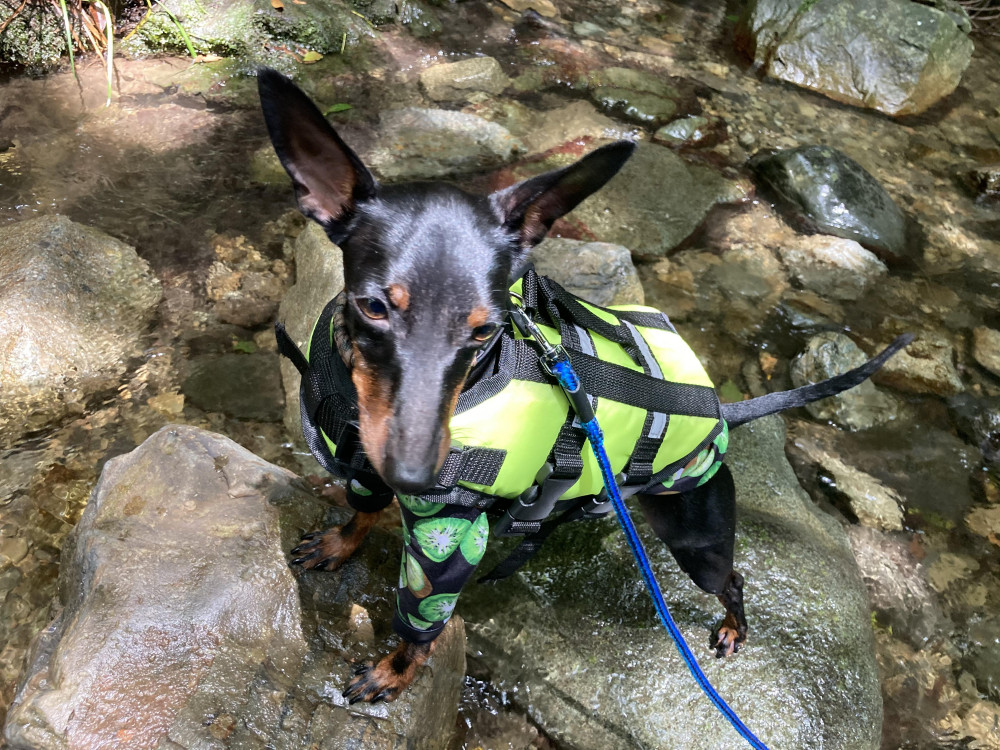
[407, 478]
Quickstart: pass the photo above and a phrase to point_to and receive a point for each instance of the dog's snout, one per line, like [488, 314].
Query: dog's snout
[409, 478]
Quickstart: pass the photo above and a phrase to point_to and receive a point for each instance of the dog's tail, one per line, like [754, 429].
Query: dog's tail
[742, 412]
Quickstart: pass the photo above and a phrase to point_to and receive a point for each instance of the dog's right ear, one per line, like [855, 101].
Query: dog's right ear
[329, 178]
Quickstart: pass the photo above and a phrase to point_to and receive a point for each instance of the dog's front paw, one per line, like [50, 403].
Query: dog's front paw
[326, 550]
[729, 638]
[323, 550]
[390, 677]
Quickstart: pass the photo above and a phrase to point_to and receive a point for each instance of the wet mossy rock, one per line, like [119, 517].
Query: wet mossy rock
[575, 642]
[74, 303]
[894, 56]
[34, 37]
[182, 626]
[824, 190]
[244, 29]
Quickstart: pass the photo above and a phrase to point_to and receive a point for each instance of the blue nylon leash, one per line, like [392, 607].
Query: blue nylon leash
[556, 362]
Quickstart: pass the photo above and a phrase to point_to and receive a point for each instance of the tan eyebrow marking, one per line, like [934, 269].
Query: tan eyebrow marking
[399, 296]
[478, 317]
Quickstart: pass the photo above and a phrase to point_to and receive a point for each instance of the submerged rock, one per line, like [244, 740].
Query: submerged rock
[653, 204]
[426, 144]
[634, 95]
[859, 408]
[597, 271]
[977, 419]
[986, 348]
[574, 641]
[831, 266]
[830, 192]
[898, 57]
[181, 624]
[74, 303]
[456, 81]
[243, 386]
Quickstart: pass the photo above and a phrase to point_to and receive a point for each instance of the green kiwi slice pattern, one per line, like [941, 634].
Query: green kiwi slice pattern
[418, 623]
[416, 580]
[473, 545]
[438, 607]
[439, 537]
[418, 506]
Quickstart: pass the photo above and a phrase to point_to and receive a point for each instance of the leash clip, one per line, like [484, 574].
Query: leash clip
[552, 354]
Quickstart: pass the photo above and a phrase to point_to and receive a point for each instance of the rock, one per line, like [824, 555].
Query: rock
[74, 304]
[423, 144]
[897, 585]
[691, 131]
[653, 204]
[832, 267]
[545, 130]
[574, 642]
[233, 28]
[833, 194]
[319, 277]
[986, 348]
[750, 273]
[983, 182]
[599, 272]
[542, 7]
[33, 37]
[870, 501]
[985, 657]
[181, 625]
[899, 58]
[978, 421]
[860, 408]
[244, 286]
[455, 81]
[242, 386]
[634, 95]
[419, 18]
[925, 366]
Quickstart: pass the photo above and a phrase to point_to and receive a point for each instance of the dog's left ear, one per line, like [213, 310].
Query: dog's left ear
[329, 179]
[529, 208]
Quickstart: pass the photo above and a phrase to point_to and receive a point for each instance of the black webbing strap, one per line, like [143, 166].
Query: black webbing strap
[475, 465]
[607, 379]
[530, 545]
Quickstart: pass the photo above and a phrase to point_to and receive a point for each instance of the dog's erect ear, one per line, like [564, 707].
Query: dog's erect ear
[329, 178]
[530, 207]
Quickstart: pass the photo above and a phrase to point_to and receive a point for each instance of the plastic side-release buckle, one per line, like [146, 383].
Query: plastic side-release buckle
[527, 511]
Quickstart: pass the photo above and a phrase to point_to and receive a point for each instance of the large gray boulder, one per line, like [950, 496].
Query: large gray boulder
[182, 625]
[574, 641]
[653, 204]
[599, 272]
[825, 190]
[896, 56]
[74, 303]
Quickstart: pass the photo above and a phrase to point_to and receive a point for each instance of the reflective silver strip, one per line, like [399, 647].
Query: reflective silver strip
[659, 423]
[587, 347]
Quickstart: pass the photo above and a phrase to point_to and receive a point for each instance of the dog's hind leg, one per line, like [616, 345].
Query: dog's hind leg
[699, 527]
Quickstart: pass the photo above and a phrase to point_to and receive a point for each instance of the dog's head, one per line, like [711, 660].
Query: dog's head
[426, 267]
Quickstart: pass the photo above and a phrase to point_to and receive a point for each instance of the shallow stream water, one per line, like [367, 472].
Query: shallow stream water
[168, 168]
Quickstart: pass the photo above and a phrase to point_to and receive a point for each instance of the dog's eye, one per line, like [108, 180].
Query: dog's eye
[372, 308]
[484, 332]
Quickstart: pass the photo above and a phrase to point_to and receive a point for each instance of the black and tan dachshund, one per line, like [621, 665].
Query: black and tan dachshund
[416, 386]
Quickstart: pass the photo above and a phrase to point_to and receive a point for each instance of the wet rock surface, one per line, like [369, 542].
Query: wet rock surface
[74, 304]
[834, 193]
[830, 354]
[424, 144]
[832, 267]
[599, 272]
[575, 642]
[179, 562]
[899, 59]
[459, 80]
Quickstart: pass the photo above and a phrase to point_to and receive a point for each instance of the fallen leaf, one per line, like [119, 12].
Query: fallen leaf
[277, 5]
[311, 57]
